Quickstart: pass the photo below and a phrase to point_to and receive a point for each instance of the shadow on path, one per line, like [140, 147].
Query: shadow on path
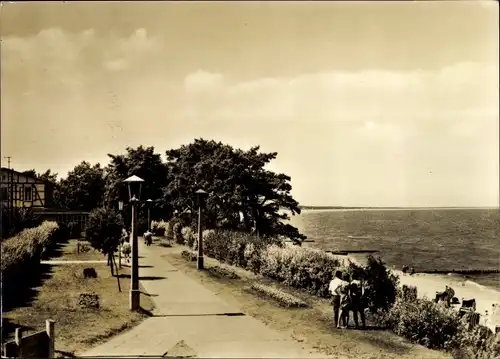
[142, 277]
[149, 295]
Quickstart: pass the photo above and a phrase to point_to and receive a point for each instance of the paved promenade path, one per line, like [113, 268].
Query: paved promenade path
[191, 321]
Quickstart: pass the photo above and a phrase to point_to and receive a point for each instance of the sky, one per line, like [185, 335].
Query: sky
[367, 104]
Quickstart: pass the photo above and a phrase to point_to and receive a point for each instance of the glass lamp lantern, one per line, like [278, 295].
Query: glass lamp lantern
[134, 187]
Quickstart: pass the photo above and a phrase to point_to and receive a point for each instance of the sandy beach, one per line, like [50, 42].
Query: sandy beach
[428, 284]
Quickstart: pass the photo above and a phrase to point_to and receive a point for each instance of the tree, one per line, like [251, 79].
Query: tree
[83, 188]
[46, 176]
[243, 194]
[148, 165]
[104, 231]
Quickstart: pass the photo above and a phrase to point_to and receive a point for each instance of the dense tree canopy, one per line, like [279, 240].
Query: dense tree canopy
[243, 194]
[148, 165]
[83, 188]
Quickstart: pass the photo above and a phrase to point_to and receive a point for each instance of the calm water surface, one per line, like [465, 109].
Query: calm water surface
[441, 239]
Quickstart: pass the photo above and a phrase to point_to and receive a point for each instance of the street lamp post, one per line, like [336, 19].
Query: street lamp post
[134, 189]
[120, 208]
[149, 201]
[201, 195]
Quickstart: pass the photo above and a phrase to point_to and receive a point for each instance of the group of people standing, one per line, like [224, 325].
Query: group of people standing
[347, 296]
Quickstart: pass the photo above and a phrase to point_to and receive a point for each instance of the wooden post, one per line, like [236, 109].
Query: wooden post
[50, 329]
[120, 255]
[19, 340]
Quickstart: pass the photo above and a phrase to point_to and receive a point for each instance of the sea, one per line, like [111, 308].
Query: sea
[427, 239]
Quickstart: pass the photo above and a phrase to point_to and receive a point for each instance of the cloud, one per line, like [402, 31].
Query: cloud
[366, 135]
[203, 82]
[455, 92]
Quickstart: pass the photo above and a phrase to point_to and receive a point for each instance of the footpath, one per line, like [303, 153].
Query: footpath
[191, 321]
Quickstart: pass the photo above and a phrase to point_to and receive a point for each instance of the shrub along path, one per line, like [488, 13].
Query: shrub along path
[191, 320]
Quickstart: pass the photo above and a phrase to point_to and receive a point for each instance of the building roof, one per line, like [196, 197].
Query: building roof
[37, 180]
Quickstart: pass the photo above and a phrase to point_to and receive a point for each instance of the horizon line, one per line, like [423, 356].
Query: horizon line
[397, 207]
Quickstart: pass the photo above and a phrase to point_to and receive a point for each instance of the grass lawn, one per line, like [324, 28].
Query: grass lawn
[69, 252]
[312, 325]
[56, 298]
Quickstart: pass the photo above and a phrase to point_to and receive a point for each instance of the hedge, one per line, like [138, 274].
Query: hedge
[300, 267]
[22, 253]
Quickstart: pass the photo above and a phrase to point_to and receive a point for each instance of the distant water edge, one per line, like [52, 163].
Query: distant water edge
[426, 238]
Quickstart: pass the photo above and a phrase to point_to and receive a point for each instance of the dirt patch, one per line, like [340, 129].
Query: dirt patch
[77, 329]
[311, 325]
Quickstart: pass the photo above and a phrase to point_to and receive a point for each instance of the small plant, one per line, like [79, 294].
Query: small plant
[83, 247]
[280, 296]
[88, 300]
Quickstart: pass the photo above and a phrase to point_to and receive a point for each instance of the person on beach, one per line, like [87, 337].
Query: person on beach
[450, 293]
[334, 289]
[356, 293]
[345, 301]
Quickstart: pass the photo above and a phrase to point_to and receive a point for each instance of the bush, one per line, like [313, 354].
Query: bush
[299, 267]
[189, 256]
[424, 322]
[381, 286]
[21, 256]
[177, 233]
[159, 228]
[169, 231]
[478, 343]
[188, 236]
[280, 296]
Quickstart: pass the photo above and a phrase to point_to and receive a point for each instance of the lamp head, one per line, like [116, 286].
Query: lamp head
[201, 195]
[134, 187]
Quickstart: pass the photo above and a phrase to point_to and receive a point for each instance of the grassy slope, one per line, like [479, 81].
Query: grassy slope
[57, 298]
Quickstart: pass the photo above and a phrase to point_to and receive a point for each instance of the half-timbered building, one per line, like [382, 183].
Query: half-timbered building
[20, 190]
